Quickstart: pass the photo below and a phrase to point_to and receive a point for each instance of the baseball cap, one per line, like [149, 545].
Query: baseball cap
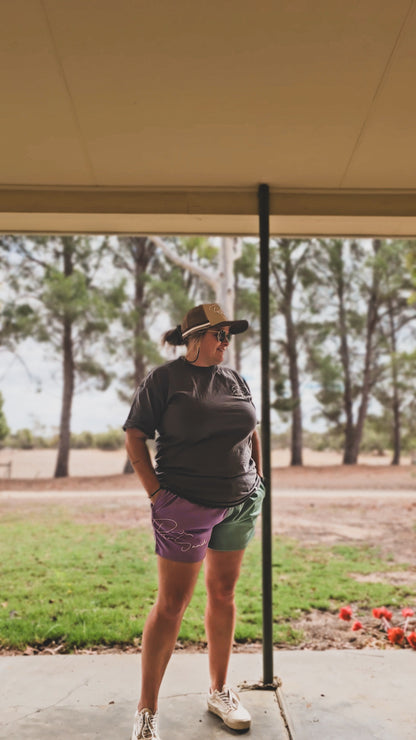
[206, 315]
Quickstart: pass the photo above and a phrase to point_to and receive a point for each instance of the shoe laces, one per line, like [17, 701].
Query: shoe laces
[149, 725]
[229, 698]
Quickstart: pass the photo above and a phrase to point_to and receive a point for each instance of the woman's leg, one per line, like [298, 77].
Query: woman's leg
[176, 585]
[221, 574]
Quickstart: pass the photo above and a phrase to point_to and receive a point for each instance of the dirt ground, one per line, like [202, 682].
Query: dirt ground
[323, 502]
[34, 464]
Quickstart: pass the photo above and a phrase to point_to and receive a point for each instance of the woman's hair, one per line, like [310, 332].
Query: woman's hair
[174, 337]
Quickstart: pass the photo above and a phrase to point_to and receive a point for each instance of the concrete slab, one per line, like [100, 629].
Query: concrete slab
[94, 696]
[331, 695]
[351, 695]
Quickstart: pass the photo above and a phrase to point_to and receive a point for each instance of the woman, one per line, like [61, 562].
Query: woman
[206, 493]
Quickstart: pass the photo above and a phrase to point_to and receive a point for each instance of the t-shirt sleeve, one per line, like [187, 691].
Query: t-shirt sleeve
[244, 387]
[247, 392]
[148, 405]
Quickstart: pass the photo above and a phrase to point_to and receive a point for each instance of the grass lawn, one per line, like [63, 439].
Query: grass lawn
[88, 585]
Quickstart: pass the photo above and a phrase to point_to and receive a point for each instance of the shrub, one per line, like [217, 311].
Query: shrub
[82, 441]
[4, 429]
[112, 439]
[22, 439]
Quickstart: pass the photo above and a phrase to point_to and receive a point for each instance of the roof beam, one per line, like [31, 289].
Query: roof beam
[206, 211]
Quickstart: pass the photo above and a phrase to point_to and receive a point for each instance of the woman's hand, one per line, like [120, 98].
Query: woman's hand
[155, 497]
[138, 453]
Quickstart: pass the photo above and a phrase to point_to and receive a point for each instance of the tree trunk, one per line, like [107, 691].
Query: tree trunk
[142, 250]
[371, 325]
[237, 338]
[396, 426]
[61, 469]
[349, 458]
[292, 351]
[395, 382]
[225, 293]
[296, 436]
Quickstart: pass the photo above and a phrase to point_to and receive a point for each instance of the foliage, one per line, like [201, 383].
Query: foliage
[58, 294]
[26, 439]
[247, 299]
[377, 437]
[289, 266]
[154, 286]
[331, 439]
[4, 429]
[112, 439]
[342, 320]
[362, 301]
[23, 439]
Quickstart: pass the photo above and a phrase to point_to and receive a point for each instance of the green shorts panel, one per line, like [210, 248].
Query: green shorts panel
[237, 528]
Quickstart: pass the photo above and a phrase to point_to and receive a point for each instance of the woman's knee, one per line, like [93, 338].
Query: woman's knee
[221, 592]
[172, 606]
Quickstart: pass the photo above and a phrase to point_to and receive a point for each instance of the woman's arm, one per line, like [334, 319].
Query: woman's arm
[256, 452]
[139, 456]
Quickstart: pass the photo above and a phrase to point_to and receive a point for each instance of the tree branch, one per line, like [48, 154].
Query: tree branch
[23, 250]
[275, 272]
[297, 263]
[207, 277]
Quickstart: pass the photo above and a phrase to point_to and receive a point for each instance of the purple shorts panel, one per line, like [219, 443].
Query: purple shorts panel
[183, 529]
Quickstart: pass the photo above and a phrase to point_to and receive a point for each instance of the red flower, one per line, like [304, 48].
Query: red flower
[396, 635]
[357, 626]
[406, 612]
[411, 639]
[345, 613]
[382, 612]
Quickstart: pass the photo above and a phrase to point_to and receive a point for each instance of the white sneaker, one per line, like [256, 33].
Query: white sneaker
[226, 704]
[145, 725]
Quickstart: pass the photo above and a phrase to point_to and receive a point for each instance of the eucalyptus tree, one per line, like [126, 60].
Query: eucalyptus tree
[343, 342]
[158, 281]
[247, 300]
[213, 268]
[136, 259]
[156, 284]
[167, 276]
[58, 295]
[397, 338]
[290, 269]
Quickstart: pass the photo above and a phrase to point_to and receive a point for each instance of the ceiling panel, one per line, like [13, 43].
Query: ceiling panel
[224, 94]
[39, 140]
[386, 152]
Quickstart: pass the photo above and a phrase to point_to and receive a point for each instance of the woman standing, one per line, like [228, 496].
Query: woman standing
[205, 492]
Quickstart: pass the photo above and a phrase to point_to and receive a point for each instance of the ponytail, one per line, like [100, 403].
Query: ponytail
[173, 336]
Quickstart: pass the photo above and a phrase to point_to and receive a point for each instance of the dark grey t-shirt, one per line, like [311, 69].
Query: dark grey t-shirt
[204, 418]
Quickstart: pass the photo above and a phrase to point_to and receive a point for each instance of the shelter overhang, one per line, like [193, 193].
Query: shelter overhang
[293, 212]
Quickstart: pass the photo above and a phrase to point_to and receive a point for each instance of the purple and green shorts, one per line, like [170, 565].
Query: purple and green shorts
[184, 530]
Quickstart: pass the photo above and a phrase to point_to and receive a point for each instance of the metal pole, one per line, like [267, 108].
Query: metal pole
[263, 197]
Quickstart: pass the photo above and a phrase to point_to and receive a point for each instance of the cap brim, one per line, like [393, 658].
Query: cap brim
[236, 327]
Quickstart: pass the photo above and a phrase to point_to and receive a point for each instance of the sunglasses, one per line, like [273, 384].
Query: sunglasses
[221, 335]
